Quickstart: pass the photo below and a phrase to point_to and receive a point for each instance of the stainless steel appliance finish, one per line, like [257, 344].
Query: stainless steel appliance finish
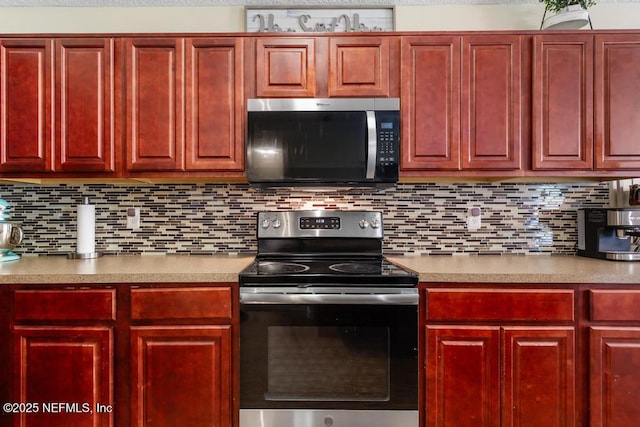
[328, 326]
[323, 104]
[609, 233]
[323, 141]
[328, 295]
[319, 418]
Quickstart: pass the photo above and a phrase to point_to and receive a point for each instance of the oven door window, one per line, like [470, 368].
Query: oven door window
[328, 356]
[330, 363]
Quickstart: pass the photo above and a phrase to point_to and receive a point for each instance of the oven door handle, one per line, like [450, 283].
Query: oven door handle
[405, 298]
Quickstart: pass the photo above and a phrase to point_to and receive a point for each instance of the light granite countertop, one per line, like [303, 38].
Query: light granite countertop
[520, 269]
[124, 269]
[220, 268]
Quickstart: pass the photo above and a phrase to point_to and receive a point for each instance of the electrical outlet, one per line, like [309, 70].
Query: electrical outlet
[133, 218]
[474, 218]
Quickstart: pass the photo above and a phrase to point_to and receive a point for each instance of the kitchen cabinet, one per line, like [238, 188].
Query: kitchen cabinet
[617, 109]
[461, 103]
[214, 104]
[154, 120]
[499, 356]
[325, 66]
[137, 355]
[185, 104]
[62, 343]
[585, 116]
[181, 356]
[614, 347]
[58, 105]
[562, 115]
[285, 67]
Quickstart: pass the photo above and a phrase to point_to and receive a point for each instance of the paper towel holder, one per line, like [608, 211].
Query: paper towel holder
[84, 255]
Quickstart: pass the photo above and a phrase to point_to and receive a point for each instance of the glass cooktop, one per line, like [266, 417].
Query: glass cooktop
[341, 271]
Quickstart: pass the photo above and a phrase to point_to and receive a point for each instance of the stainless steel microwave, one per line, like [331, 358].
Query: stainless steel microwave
[323, 142]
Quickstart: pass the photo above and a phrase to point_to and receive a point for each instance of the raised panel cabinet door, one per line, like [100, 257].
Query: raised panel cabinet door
[85, 101]
[285, 67]
[463, 376]
[155, 104]
[617, 105]
[614, 376]
[181, 376]
[538, 377]
[491, 102]
[359, 66]
[26, 105]
[67, 371]
[430, 92]
[214, 104]
[562, 125]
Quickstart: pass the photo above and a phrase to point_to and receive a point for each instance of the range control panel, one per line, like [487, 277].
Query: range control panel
[295, 224]
[319, 223]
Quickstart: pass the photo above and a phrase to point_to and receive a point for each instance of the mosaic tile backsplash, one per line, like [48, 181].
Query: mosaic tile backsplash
[220, 218]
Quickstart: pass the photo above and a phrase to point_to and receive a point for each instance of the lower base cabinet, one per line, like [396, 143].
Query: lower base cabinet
[181, 376]
[494, 359]
[614, 356]
[500, 376]
[615, 377]
[123, 355]
[63, 376]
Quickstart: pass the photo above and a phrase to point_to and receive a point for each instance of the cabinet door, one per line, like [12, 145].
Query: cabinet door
[491, 129]
[359, 66]
[155, 106]
[85, 97]
[181, 375]
[539, 377]
[617, 105]
[430, 103]
[214, 107]
[562, 124]
[69, 368]
[285, 67]
[614, 377]
[463, 372]
[26, 105]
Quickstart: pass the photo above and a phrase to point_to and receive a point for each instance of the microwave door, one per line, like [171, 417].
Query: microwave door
[312, 147]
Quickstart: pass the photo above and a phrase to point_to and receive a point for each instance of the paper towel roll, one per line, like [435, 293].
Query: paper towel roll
[86, 236]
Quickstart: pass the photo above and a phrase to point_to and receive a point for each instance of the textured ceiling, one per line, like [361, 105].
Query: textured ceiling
[200, 3]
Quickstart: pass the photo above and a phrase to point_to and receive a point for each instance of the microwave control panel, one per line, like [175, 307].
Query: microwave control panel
[388, 124]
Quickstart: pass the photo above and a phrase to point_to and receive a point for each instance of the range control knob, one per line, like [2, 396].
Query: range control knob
[363, 223]
[276, 223]
[266, 223]
[374, 223]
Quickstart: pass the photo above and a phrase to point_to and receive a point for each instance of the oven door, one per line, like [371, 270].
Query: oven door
[328, 357]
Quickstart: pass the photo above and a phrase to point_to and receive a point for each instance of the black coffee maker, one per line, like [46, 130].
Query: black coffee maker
[609, 233]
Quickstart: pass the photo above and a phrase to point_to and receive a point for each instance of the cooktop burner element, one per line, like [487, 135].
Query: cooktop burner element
[276, 267]
[355, 268]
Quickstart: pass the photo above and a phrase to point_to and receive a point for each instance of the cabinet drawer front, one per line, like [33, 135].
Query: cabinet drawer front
[183, 303]
[615, 305]
[487, 304]
[85, 304]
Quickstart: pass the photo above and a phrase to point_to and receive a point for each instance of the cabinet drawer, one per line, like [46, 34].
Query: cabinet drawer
[182, 303]
[85, 304]
[487, 304]
[615, 305]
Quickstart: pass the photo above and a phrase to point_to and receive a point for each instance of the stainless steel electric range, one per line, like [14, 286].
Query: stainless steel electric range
[328, 325]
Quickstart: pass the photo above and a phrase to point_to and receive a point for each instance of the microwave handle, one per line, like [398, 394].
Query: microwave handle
[372, 144]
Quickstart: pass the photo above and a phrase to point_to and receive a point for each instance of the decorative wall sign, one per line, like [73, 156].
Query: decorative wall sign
[320, 19]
